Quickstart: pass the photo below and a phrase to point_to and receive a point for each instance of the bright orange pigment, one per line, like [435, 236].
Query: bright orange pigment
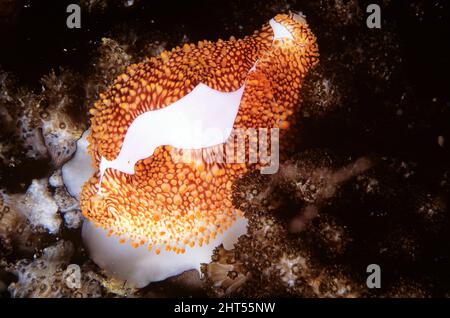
[174, 206]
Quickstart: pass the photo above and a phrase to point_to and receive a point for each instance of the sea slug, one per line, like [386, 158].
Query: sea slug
[165, 197]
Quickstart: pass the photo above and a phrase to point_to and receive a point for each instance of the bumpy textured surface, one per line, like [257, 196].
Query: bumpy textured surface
[177, 205]
[283, 251]
[51, 276]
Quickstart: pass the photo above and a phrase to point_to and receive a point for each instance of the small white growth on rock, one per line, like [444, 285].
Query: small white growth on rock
[289, 269]
[72, 276]
[64, 200]
[51, 275]
[68, 206]
[73, 219]
[56, 180]
[59, 137]
[38, 206]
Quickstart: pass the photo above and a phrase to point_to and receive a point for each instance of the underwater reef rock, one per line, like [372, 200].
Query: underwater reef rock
[68, 206]
[43, 122]
[268, 262]
[16, 233]
[277, 254]
[110, 61]
[51, 276]
[302, 241]
[38, 206]
[25, 220]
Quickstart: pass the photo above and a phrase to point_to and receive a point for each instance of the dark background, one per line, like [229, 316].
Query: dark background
[34, 35]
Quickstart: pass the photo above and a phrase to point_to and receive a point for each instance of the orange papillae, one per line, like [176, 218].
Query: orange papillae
[173, 205]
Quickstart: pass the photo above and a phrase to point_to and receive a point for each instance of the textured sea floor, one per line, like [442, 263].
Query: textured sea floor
[367, 180]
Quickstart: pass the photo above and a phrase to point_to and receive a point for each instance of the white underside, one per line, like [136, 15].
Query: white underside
[139, 267]
[78, 169]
